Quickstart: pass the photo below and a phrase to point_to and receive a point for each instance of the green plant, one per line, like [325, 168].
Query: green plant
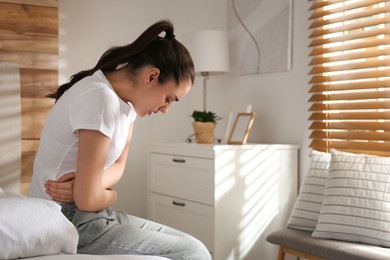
[203, 116]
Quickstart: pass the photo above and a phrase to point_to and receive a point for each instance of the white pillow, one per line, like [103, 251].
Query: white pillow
[307, 207]
[356, 204]
[31, 227]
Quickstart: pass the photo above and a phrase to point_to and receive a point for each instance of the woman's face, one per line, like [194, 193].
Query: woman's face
[154, 97]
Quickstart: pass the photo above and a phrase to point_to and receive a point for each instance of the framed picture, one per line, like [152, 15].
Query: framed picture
[247, 108]
[241, 128]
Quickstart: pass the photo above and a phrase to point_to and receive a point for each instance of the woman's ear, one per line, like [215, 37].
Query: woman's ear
[151, 74]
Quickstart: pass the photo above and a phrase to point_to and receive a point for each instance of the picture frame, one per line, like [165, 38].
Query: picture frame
[234, 110]
[241, 128]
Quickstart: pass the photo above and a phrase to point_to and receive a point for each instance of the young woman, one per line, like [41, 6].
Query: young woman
[86, 137]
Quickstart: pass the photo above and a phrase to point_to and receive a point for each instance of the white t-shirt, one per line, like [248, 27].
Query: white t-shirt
[90, 104]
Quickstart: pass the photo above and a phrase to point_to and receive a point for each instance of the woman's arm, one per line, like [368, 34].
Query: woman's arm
[114, 173]
[61, 190]
[88, 191]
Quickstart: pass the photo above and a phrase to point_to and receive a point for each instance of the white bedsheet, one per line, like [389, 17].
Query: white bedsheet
[96, 257]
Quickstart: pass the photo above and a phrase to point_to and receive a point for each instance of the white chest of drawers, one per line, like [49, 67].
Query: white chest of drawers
[228, 196]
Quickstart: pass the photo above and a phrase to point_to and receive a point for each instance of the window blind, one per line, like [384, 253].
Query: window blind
[350, 76]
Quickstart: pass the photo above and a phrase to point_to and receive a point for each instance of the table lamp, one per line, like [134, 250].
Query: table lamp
[210, 53]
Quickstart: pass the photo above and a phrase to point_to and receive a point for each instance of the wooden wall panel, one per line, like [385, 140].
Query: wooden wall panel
[52, 3]
[37, 83]
[28, 19]
[29, 38]
[31, 60]
[27, 43]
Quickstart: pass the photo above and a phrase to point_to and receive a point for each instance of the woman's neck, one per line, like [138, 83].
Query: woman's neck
[121, 83]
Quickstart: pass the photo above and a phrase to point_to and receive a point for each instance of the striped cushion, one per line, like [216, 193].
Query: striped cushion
[308, 204]
[356, 203]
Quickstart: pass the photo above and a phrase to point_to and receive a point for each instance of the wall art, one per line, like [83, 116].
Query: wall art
[260, 36]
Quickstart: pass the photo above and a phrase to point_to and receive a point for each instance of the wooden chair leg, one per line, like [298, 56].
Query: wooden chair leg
[281, 253]
[303, 255]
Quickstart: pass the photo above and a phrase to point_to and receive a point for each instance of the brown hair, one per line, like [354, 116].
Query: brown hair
[165, 53]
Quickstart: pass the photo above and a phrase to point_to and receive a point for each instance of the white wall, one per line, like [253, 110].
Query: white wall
[89, 27]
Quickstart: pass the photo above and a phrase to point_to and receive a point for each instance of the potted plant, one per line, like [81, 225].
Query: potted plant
[204, 125]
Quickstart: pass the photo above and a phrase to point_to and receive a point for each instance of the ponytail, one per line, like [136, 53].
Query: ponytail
[165, 53]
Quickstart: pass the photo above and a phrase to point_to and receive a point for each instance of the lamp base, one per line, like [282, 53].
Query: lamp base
[205, 78]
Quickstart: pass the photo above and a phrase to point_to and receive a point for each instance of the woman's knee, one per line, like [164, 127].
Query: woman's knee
[202, 252]
[193, 249]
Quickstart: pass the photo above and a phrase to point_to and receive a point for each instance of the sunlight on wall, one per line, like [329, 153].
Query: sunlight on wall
[62, 49]
[10, 127]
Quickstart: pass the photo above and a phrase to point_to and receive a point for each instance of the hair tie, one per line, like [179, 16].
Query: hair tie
[169, 35]
[120, 66]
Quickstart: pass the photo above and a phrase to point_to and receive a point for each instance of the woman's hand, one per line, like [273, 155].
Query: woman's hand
[61, 190]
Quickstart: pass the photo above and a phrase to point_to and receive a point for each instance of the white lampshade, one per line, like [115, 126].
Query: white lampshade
[209, 51]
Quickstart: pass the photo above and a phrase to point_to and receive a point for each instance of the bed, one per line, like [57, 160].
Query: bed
[36, 229]
[30, 228]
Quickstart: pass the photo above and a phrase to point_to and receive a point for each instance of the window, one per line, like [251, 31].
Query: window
[350, 69]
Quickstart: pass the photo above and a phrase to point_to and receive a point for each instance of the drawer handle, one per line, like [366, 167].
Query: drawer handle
[178, 160]
[181, 204]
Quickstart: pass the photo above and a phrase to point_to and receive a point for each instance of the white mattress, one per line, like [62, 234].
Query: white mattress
[96, 257]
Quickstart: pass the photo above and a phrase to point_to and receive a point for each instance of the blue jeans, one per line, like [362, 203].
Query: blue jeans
[113, 232]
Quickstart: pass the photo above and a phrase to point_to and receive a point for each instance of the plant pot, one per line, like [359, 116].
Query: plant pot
[204, 132]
